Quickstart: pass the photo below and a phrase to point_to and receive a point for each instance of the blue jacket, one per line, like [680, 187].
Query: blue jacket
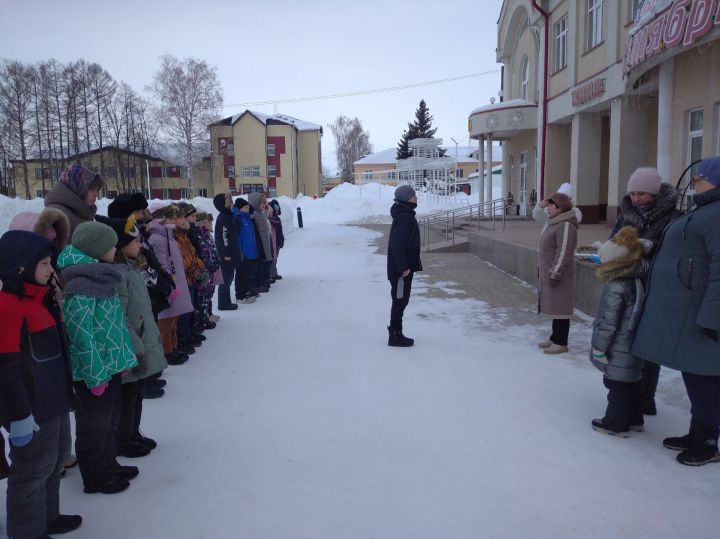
[246, 234]
[683, 296]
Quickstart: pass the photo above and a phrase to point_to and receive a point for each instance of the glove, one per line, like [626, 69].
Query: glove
[21, 432]
[174, 294]
[99, 390]
[710, 334]
[600, 357]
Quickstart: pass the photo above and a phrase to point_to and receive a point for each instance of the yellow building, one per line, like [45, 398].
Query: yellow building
[592, 89]
[123, 171]
[275, 154]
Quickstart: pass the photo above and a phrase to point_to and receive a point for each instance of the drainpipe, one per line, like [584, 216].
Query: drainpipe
[546, 17]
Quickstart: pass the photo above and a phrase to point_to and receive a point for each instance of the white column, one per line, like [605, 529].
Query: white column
[585, 159]
[665, 127]
[481, 170]
[488, 181]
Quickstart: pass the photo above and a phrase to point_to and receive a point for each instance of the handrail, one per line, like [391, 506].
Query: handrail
[451, 220]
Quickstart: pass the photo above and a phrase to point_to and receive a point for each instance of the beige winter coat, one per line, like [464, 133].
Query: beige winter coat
[556, 266]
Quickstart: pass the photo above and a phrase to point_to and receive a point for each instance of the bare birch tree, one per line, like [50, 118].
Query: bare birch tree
[351, 143]
[189, 98]
[16, 105]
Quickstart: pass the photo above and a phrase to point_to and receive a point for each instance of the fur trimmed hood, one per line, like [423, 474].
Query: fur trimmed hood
[57, 220]
[622, 256]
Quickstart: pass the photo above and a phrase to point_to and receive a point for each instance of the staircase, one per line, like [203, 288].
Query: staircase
[447, 231]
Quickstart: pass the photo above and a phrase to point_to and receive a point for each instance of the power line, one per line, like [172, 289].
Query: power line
[363, 92]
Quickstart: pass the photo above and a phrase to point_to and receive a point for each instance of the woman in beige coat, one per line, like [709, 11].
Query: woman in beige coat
[556, 271]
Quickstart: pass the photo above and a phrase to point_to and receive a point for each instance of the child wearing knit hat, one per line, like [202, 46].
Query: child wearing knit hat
[35, 387]
[622, 271]
[100, 351]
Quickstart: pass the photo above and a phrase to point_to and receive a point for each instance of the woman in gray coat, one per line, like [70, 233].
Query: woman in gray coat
[556, 271]
[75, 194]
[617, 315]
[681, 320]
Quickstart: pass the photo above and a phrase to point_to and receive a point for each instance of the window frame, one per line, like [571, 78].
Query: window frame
[246, 171]
[692, 135]
[202, 192]
[525, 78]
[594, 23]
[272, 171]
[560, 40]
[271, 145]
[256, 171]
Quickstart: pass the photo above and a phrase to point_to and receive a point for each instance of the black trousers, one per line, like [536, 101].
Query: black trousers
[228, 273]
[560, 331]
[130, 411]
[96, 421]
[242, 279]
[704, 395]
[400, 293]
[649, 382]
[625, 405]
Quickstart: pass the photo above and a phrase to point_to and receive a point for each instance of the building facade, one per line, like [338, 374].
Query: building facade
[123, 171]
[592, 89]
[275, 154]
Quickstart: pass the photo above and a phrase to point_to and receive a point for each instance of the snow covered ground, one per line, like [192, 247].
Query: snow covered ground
[295, 420]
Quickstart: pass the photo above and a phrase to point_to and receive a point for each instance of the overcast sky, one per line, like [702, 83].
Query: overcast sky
[279, 49]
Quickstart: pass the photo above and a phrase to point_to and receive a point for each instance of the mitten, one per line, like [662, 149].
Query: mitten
[710, 334]
[99, 390]
[21, 432]
[599, 356]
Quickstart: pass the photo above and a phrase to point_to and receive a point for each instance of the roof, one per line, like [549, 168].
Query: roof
[513, 103]
[466, 154]
[272, 119]
[79, 156]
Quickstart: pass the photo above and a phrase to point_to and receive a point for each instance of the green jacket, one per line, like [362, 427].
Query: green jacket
[100, 345]
[144, 332]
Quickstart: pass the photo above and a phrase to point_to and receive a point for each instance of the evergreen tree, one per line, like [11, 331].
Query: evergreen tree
[420, 128]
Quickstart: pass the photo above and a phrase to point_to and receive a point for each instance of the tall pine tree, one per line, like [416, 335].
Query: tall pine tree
[420, 128]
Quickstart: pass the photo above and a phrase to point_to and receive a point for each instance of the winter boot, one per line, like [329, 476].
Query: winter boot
[132, 449]
[4, 466]
[396, 338]
[599, 426]
[64, 524]
[679, 443]
[555, 349]
[111, 486]
[698, 455]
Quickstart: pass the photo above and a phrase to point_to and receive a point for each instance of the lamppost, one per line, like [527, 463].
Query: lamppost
[456, 166]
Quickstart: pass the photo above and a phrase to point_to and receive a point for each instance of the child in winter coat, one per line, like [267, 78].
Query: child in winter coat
[35, 387]
[144, 335]
[228, 248]
[246, 271]
[211, 259]
[276, 223]
[100, 351]
[163, 244]
[618, 313]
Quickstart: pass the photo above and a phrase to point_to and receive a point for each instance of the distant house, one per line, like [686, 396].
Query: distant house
[123, 171]
[275, 154]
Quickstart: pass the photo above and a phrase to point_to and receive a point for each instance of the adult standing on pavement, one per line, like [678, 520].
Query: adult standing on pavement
[648, 207]
[403, 260]
[75, 194]
[540, 213]
[556, 271]
[681, 320]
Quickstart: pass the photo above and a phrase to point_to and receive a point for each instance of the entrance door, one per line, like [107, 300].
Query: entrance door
[523, 183]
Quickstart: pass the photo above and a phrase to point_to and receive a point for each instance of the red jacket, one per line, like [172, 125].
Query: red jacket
[35, 374]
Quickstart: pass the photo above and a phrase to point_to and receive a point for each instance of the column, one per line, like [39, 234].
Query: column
[481, 170]
[665, 126]
[628, 146]
[488, 180]
[585, 164]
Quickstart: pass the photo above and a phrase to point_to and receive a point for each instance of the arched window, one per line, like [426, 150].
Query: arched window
[524, 77]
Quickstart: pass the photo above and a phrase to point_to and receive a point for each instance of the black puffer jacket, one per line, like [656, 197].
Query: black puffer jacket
[404, 242]
[651, 223]
[226, 234]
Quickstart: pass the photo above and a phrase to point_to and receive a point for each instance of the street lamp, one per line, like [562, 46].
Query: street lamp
[456, 165]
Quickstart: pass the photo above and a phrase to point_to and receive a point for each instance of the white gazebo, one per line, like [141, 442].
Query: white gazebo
[426, 172]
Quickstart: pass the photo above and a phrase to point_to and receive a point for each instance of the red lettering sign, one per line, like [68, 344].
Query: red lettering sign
[699, 21]
[676, 23]
[654, 42]
[588, 91]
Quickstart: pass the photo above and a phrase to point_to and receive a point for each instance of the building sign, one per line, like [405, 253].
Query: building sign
[663, 24]
[588, 92]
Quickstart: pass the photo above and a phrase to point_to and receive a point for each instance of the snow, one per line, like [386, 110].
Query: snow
[300, 125]
[466, 154]
[504, 105]
[295, 420]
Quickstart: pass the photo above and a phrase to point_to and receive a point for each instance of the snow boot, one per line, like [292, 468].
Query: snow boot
[599, 426]
[700, 454]
[545, 344]
[64, 524]
[678, 443]
[132, 449]
[555, 349]
[396, 338]
[111, 486]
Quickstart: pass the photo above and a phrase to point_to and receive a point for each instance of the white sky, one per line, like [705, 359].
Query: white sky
[278, 49]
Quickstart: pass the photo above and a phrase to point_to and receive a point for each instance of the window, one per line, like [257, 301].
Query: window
[368, 175]
[246, 171]
[248, 188]
[561, 43]
[130, 172]
[524, 77]
[271, 150]
[256, 171]
[695, 136]
[633, 5]
[391, 175]
[271, 171]
[594, 23]
[38, 175]
[184, 192]
[229, 171]
[459, 173]
[167, 193]
[110, 172]
[40, 192]
[202, 192]
[272, 192]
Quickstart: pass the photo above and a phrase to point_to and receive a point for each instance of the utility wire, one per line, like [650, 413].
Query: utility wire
[363, 92]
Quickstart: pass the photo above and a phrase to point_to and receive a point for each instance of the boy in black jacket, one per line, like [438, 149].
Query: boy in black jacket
[403, 259]
[226, 241]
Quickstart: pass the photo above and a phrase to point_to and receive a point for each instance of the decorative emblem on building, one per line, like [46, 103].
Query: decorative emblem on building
[492, 121]
[516, 118]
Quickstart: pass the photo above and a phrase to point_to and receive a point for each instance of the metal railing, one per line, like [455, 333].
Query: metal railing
[446, 223]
